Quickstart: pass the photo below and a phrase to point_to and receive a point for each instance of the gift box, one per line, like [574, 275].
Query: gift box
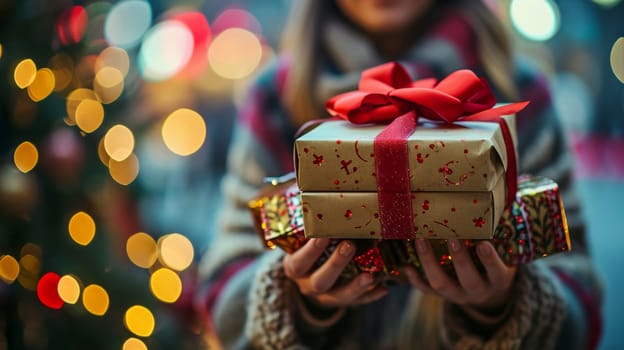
[456, 175]
[532, 227]
[464, 156]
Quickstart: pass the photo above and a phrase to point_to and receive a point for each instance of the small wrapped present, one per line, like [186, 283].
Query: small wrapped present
[532, 227]
[413, 159]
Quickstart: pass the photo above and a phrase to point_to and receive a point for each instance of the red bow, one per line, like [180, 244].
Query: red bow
[387, 94]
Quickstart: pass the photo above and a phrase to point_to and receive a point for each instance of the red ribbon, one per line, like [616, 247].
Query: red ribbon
[386, 94]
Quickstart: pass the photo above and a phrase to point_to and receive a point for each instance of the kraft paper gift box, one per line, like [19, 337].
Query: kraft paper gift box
[456, 171]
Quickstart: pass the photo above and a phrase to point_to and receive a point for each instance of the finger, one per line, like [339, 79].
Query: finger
[360, 290]
[299, 263]
[438, 279]
[499, 274]
[414, 279]
[323, 278]
[467, 274]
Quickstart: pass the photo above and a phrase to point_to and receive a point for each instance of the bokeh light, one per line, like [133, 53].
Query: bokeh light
[25, 156]
[197, 24]
[607, 3]
[119, 142]
[74, 99]
[102, 155]
[139, 320]
[235, 53]
[72, 25]
[89, 115]
[166, 49]
[184, 131]
[236, 18]
[126, 23]
[108, 84]
[30, 267]
[114, 57]
[95, 299]
[535, 19]
[25, 73]
[166, 285]
[42, 86]
[617, 59]
[47, 291]
[134, 344]
[81, 228]
[62, 67]
[142, 250]
[124, 172]
[69, 289]
[176, 251]
[9, 269]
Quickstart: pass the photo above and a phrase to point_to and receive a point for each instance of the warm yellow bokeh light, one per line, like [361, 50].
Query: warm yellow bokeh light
[139, 320]
[9, 269]
[30, 249]
[142, 250]
[184, 131]
[42, 86]
[176, 251]
[108, 84]
[134, 344]
[166, 285]
[124, 172]
[119, 142]
[617, 59]
[26, 156]
[104, 158]
[25, 73]
[114, 57]
[30, 267]
[69, 289]
[0, 51]
[73, 101]
[81, 228]
[63, 68]
[235, 53]
[89, 115]
[95, 299]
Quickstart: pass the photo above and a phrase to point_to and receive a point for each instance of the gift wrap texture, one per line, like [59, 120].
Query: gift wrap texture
[533, 226]
[457, 179]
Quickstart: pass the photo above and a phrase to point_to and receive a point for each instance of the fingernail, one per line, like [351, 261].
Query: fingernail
[345, 249]
[366, 280]
[455, 245]
[421, 245]
[319, 243]
[484, 250]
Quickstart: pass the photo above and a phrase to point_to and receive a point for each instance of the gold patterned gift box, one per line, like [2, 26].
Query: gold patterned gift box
[533, 227]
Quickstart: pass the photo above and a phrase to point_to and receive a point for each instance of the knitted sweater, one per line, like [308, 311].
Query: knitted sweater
[251, 303]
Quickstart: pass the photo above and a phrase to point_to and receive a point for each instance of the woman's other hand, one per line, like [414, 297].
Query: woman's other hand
[488, 292]
[319, 284]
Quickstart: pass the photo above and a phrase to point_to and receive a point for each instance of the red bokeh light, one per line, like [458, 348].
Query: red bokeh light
[72, 24]
[197, 24]
[47, 291]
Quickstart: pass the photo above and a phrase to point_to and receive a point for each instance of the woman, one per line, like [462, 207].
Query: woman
[273, 301]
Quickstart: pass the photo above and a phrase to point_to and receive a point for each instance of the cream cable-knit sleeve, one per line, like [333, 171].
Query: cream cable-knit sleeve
[535, 321]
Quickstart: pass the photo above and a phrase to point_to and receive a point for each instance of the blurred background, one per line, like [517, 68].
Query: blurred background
[115, 117]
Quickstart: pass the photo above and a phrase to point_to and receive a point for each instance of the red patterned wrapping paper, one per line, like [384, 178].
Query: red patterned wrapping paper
[533, 227]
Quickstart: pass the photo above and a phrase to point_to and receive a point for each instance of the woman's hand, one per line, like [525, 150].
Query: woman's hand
[487, 292]
[319, 284]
